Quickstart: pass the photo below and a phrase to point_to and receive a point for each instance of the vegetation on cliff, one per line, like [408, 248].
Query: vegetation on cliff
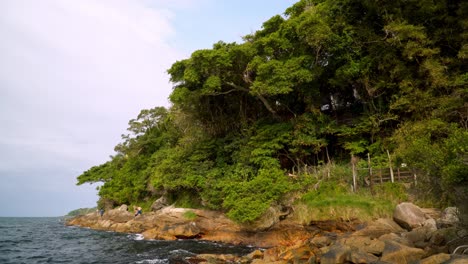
[81, 211]
[328, 80]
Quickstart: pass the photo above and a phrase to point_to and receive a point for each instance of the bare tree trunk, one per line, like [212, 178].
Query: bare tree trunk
[390, 166]
[328, 163]
[370, 174]
[353, 163]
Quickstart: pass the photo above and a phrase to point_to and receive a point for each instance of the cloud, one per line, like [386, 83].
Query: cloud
[76, 71]
[72, 74]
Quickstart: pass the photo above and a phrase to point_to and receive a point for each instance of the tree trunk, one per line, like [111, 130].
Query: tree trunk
[353, 163]
[371, 180]
[390, 166]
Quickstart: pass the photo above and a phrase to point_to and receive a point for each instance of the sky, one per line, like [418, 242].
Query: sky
[72, 73]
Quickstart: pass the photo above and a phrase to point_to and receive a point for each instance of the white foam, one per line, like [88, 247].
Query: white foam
[136, 236]
[152, 261]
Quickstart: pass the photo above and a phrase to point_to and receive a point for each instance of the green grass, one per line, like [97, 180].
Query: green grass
[334, 201]
[190, 215]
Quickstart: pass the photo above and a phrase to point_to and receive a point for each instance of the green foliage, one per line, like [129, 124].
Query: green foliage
[329, 79]
[439, 150]
[81, 211]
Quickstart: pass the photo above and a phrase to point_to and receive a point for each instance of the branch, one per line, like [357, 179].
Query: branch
[259, 96]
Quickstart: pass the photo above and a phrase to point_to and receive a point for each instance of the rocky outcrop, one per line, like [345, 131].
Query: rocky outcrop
[285, 241]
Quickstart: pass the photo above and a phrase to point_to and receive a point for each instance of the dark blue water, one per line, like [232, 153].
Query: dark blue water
[48, 240]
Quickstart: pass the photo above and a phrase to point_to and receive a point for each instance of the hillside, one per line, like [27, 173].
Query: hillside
[326, 85]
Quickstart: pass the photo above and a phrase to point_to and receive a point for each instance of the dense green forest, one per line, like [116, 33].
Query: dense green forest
[325, 81]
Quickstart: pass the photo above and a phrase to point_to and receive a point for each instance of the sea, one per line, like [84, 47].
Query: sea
[49, 240]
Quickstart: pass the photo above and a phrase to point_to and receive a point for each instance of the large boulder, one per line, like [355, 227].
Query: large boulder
[159, 203]
[182, 231]
[449, 218]
[119, 215]
[408, 216]
[378, 228]
[267, 220]
[364, 244]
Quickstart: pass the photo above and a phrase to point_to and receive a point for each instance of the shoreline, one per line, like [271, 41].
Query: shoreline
[408, 240]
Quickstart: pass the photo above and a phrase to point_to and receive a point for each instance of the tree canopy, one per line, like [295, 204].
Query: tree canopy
[326, 79]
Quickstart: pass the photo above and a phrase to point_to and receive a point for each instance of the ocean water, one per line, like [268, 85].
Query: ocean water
[48, 240]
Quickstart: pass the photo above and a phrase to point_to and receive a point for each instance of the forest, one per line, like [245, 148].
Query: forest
[255, 123]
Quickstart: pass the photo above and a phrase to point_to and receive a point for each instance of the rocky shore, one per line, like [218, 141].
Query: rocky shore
[414, 235]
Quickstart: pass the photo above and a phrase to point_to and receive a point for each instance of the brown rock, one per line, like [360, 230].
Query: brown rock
[320, 241]
[419, 237]
[364, 244]
[436, 259]
[336, 254]
[378, 228]
[267, 220]
[184, 231]
[408, 215]
[256, 254]
[361, 257]
[460, 259]
[396, 238]
[398, 253]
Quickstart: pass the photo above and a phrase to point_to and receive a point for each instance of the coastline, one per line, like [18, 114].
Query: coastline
[413, 235]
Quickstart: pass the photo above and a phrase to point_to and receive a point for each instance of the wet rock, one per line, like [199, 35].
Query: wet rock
[408, 216]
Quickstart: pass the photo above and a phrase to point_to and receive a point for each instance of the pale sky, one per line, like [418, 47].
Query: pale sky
[73, 72]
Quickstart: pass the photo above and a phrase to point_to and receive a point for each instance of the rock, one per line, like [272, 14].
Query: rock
[430, 224]
[320, 241]
[436, 259]
[449, 218]
[378, 228]
[123, 208]
[363, 244]
[457, 260]
[267, 220]
[256, 254]
[397, 253]
[408, 216]
[119, 215]
[159, 204]
[336, 254]
[420, 236]
[300, 254]
[361, 257]
[182, 231]
[396, 238]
